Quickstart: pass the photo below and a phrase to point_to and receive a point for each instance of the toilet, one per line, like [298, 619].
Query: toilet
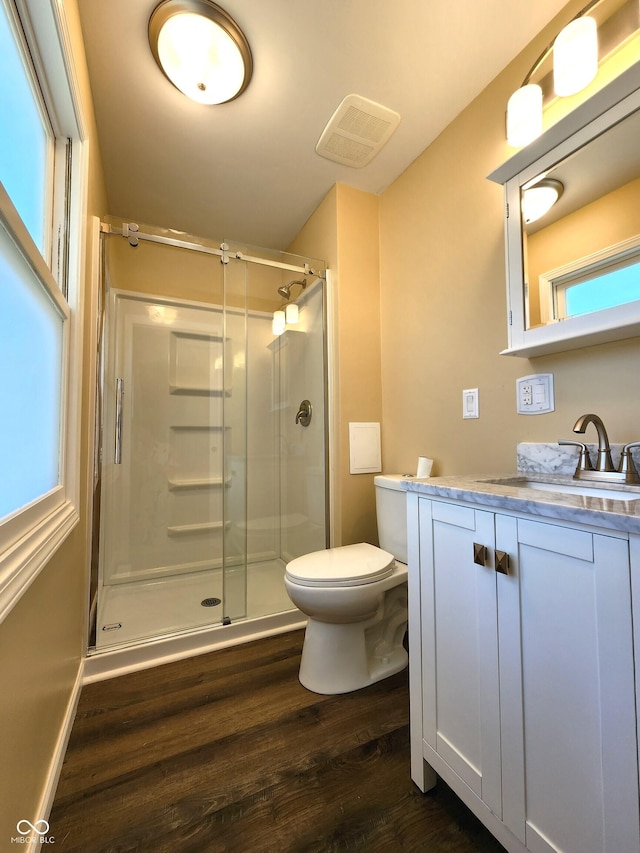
[355, 599]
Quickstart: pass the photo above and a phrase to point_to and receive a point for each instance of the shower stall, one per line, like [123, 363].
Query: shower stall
[212, 468]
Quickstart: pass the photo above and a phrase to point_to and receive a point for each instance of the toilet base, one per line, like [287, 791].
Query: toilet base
[339, 658]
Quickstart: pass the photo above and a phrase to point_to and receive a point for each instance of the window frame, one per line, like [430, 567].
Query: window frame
[31, 535]
[554, 283]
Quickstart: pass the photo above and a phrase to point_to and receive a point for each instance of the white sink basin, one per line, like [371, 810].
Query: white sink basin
[613, 493]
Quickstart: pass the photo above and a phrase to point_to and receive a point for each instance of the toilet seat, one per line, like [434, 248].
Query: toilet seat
[348, 565]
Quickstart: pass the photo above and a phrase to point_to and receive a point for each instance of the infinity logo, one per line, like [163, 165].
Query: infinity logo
[40, 826]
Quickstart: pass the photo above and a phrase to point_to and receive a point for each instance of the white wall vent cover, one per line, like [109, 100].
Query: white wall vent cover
[357, 131]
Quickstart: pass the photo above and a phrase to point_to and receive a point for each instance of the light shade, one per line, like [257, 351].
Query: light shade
[575, 56]
[291, 313]
[540, 198]
[524, 115]
[201, 50]
[278, 323]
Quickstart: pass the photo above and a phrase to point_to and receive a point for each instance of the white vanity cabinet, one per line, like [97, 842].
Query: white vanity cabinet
[522, 683]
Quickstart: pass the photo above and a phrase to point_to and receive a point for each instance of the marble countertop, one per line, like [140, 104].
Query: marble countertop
[612, 513]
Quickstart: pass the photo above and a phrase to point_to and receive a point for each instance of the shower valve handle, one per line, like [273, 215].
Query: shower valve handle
[304, 413]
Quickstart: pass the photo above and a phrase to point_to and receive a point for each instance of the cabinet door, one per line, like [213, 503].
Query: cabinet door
[461, 714]
[570, 771]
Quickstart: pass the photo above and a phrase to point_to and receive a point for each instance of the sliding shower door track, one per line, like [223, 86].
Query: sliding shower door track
[133, 234]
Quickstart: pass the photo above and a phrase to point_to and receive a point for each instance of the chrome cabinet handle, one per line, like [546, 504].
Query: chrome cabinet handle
[117, 453]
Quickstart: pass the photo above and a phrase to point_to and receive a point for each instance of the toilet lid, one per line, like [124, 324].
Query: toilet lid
[349, 565]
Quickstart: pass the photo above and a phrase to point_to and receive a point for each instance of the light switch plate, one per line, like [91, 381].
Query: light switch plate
[470, 403]
[534, 394]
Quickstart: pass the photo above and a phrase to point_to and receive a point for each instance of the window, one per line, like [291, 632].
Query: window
[31, 336]
[41, 178]
[605, 279]
[26, 141]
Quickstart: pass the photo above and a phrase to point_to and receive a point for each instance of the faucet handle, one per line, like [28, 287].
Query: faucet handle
[584, 460]
[627, 466]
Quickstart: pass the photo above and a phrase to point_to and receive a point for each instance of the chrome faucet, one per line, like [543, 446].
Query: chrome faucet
[604, 462]
[604, 469]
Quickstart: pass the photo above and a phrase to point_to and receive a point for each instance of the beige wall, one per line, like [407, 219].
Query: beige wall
[443, 309]
[344, 232]
[41, 640]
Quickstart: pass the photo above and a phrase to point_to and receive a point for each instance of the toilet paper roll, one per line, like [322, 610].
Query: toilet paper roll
[424, 467]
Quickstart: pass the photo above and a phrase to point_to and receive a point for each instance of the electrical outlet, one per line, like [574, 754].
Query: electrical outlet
[535, 394]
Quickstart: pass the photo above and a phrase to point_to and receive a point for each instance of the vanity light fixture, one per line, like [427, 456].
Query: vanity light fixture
[575, 64]
[539, 198]
[575, 56]
[279, 322]
[291, 313]
[285, 317]
[524, 115]
[201, 50]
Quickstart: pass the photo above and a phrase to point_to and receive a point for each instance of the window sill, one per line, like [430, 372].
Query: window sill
[22, 562]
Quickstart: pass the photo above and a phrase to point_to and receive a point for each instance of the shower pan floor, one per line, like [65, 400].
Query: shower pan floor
[148, 609]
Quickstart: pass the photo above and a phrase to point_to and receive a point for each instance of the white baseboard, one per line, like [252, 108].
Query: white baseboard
[109, 664]
[57, 759]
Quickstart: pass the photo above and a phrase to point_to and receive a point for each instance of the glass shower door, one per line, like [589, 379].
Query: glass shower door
[281, 513]
[209, 480]
[301, 371]
[162, 480]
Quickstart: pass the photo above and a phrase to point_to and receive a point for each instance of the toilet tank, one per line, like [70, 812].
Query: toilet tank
[391, 512]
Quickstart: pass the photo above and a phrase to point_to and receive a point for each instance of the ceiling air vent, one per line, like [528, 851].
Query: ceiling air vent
[357, 131]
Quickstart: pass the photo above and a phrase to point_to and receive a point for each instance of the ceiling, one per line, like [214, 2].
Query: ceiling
[247, 171]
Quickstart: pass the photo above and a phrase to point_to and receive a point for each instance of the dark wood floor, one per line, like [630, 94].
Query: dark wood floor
[228, 752]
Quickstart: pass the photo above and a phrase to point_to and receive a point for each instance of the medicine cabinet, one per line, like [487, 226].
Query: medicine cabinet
[573, 275]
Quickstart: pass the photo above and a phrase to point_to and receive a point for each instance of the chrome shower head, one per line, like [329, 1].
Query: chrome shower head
[285, 290]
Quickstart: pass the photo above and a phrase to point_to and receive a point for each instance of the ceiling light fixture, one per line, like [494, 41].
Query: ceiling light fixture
[540, 198]
[201, 50]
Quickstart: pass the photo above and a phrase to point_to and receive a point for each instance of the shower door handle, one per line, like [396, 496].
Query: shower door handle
[304, 413]
[117, 453]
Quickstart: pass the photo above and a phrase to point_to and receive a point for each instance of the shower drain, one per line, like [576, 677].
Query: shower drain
[210, 602]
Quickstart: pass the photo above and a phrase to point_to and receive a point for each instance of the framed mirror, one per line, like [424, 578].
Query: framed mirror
[573, 272]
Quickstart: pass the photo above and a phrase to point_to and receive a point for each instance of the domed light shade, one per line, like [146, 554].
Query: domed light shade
[524, 115]
[540, 198]
[201, 49]
[575, 56]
